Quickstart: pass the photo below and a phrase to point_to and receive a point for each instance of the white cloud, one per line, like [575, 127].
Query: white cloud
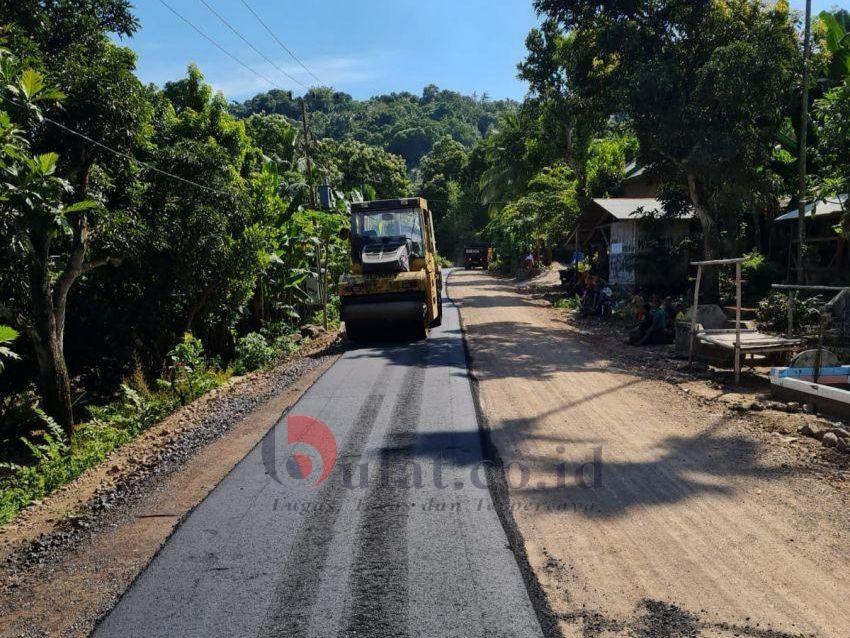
[339, 72]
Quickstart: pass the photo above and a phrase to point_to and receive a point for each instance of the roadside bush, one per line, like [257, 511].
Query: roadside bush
[772, 312]
[442, 262]
[189, 374]
[496, 266]
[283, 337]
[759, 273]
[49, 471]
[57, 461]
[568, 303]
[333, 314]
[253, 352]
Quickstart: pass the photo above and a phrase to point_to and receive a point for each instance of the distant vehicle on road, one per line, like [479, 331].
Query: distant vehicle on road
[477, 255]
[395, 285]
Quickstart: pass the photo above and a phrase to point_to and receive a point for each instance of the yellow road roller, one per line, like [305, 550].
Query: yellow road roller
[394, 288]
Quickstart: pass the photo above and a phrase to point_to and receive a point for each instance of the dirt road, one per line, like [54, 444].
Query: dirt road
[643, 513]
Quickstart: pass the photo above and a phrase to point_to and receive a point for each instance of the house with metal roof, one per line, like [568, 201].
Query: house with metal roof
[827, 254]
[622, 234]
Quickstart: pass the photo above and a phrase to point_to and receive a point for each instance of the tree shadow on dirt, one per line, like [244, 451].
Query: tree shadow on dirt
[579, 471]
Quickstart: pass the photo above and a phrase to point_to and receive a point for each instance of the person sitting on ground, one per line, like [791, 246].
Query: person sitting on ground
[590, 298]
[638, 308]
[637, 333]
[657, 332]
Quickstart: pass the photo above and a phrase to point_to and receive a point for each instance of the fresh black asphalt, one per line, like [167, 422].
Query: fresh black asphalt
[402, 539]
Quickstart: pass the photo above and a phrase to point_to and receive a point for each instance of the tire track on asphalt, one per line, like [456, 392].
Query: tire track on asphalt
[292, 604]
[379, 577]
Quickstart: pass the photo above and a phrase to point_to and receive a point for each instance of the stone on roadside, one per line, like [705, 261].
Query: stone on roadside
[792, 407]
[312, 331]
[830, 440]
[808, 429]
[809, 408]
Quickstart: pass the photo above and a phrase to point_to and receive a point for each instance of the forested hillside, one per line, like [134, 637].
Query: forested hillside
[401, 123]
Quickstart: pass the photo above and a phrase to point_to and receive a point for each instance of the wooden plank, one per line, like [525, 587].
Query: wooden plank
[737, 323]
[791, 298]
[793, 287]
[694, 316]
[719, 262]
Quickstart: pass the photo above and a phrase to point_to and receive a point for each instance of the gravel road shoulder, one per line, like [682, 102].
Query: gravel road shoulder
[67, 560]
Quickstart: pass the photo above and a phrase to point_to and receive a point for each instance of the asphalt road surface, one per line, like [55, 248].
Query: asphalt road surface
[415, 548]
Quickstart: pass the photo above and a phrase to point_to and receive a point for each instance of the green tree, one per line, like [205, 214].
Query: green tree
[512, 156]
[275, 136]
[539, 218]
[703, 85]
[353, 165]
[48, 245]
[203, 247]
[441, 174]
[607, 158]
[401, 123]
[832, 117]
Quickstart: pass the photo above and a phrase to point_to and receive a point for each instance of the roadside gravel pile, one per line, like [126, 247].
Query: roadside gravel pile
[141, 466]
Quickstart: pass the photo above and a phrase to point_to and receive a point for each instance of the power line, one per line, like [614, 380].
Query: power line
[282, 45]
[218, 46]
[122, 154]
[248, 42]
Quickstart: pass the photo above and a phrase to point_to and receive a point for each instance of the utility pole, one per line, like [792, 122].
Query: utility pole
[306, 128]
[803, 144]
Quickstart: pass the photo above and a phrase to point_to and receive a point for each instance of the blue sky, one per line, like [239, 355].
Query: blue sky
[363, 47]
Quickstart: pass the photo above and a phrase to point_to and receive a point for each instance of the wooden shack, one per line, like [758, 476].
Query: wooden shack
[617, 231]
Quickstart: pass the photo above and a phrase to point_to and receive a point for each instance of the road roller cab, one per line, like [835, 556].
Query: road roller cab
[394, 287]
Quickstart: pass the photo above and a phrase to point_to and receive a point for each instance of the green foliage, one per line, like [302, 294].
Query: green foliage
[541, 217]
[835, 31]
[568, 303]
[275, 136]
[49, 471]
[400, 123]
[760, 274]
[188, 373]
[496, 265]
[832, 118]
[333, 314]
[253, 352]
[606, 163]
[56, 460]
[7, 336]
[772, 313]
[351, 165]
